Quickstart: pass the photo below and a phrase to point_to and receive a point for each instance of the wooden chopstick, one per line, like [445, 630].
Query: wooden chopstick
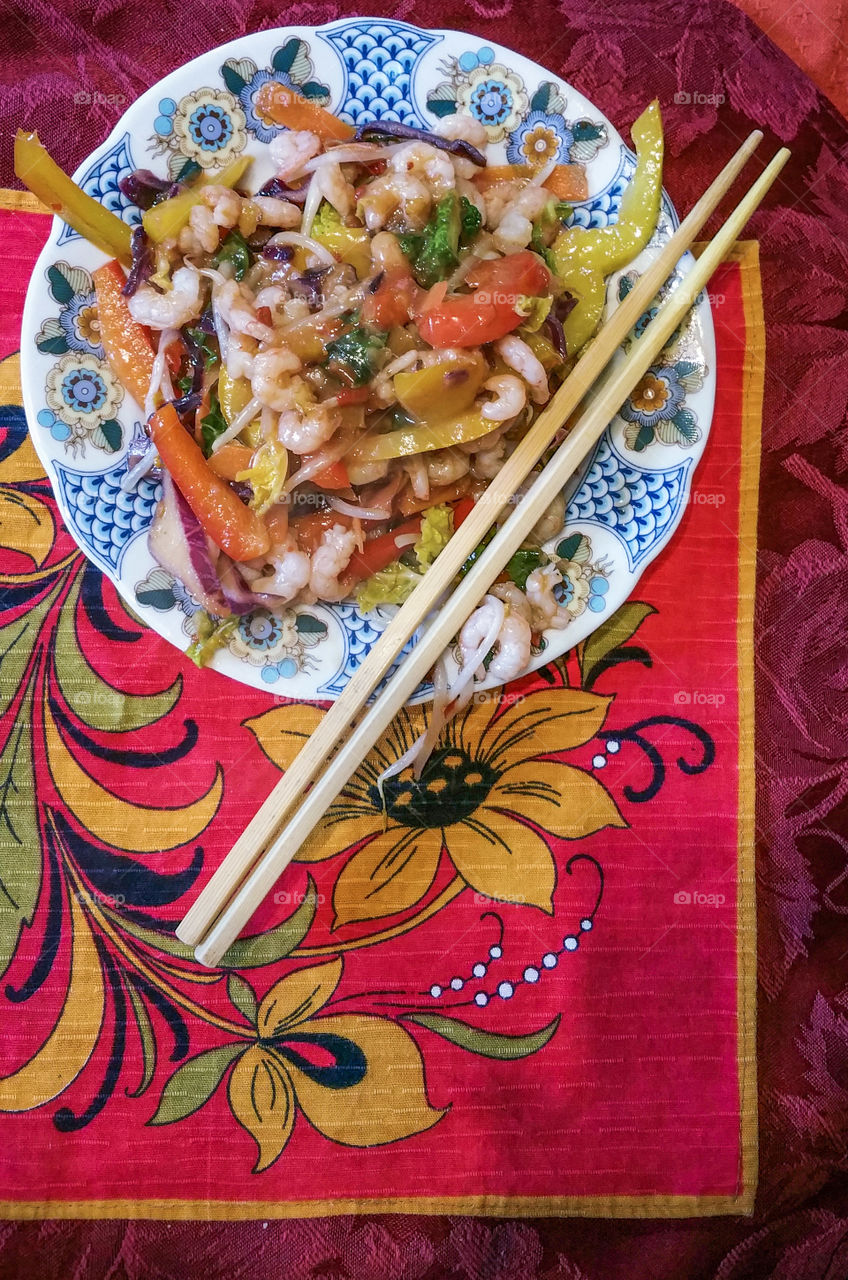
[200, 920]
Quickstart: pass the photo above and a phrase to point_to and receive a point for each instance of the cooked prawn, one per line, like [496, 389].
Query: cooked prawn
[201, 234]
[486, 463]
[512, 650]
[398, 198]
[426, 162]
[510, 398]
[444, 466]
[463, 127]
[516, 353]
[547, 614]
[514, 228]
[237, 308]
[276, 213]
[223, 203]
[550, 522]
[292, 149]
[330, 561]
[512, 638]
[270, 379]
[290, 567]
[386, 253]
[481, 628]
[240, 353]
[180, 305]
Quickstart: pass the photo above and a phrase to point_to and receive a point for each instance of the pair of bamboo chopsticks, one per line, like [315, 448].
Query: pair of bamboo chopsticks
[337, 747]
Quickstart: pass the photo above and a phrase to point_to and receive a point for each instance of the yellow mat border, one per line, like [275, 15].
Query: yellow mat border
[746, 253]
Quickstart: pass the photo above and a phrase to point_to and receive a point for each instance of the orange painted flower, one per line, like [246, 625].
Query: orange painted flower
[540, 145]
[488, 797]
[650, 395]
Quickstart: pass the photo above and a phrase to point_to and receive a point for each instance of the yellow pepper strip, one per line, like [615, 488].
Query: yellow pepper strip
[583, 258]
[543, 349]
[422, 438]
[443, 390]
[233, 396]
[348, 244]
[38, 171]
[167, 219]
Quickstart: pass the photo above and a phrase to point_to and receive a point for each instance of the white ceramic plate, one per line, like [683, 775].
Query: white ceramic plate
[622, 509]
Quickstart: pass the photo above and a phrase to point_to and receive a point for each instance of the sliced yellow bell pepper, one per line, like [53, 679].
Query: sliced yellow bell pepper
[234, 395]
[422, 438]
[308, 338]
[543, 349]
[38, 171]
[400, 341]
[167, 219]
[442, 390]
[583, 258]
[348, 244]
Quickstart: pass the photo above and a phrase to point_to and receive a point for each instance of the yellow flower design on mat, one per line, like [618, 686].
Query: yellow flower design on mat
[489, 795]
[359, 1080]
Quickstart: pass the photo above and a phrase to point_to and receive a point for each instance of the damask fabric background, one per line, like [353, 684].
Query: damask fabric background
[617, 55]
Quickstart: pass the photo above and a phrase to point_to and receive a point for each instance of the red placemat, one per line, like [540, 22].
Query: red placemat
[564, 905]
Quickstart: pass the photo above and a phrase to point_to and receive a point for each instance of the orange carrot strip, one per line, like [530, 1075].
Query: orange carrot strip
[128, 345]
[223, 516]
[567, 182]
[281, 105]
[230, 459]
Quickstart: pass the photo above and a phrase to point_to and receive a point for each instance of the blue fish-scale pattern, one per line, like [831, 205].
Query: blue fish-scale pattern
[359, 635]
[101, 182]
[639, 507]
[379, 60]
[601, 210]
[105, 518]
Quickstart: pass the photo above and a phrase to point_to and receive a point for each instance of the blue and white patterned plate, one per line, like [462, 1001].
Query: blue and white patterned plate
[631, 495]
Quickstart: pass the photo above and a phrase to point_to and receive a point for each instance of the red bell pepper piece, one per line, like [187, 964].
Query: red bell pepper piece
[468, 320]
[394, 300]
[380, 551]
[334, 476]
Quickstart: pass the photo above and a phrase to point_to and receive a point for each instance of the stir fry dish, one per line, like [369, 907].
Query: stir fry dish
[330, 369]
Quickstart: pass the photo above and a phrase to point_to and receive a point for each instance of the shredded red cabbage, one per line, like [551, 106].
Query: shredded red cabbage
[277, 252]
[169, 545]
[279, 191]
[554, 319]
[392, 129]
[142, 261]
[188, 403]
[143, 188]
[178, 543]
[310, 286]
[206, 323]
[553, 324]
[195, 355]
